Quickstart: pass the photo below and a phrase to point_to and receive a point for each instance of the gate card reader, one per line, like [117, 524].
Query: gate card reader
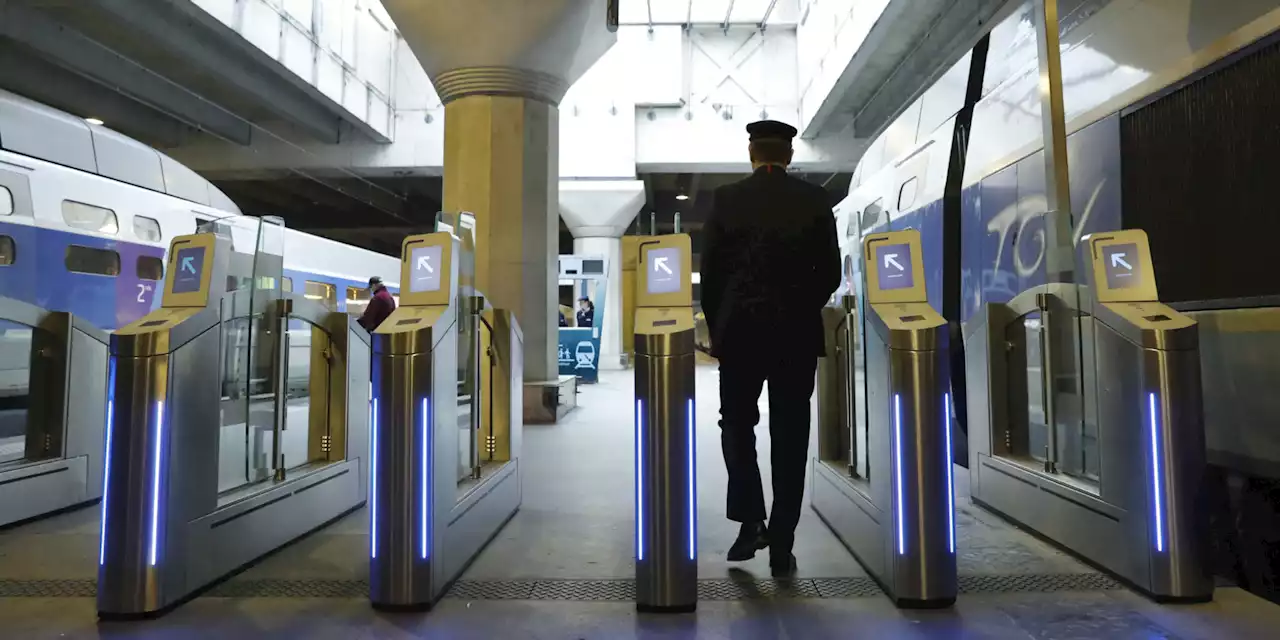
[1122, 463]
[899, 521]
[414, 386]
[1148, 390]
[666, 480]
[1124, 286]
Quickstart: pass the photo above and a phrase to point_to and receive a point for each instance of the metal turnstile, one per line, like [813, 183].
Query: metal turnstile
[442, 486]
[1107, 462]
[666, 473]
[887, 489]
[171, 525]
[53, 378]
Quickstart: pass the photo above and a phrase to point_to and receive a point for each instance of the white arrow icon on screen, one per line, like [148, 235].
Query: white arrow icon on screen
[187, 266]
[660, 264]
[891, 259]
[425, 263]
[1117, 259]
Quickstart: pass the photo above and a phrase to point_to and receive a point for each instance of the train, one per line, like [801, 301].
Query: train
[1169, 110]
[87, 214]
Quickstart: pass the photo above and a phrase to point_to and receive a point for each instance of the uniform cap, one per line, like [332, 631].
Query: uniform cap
[771, 130]
[375, 280]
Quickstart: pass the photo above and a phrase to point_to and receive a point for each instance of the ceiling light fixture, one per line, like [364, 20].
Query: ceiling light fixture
[682, 197]
[93, 121]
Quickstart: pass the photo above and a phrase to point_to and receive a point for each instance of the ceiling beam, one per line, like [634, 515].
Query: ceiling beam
[28, 74]
[178, 33]
[105, 66]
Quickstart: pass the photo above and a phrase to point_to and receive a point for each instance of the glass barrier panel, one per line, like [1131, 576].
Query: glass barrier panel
[15, 386]
[305, 436]
[235, 465]
[1036, 419]
[268, 347]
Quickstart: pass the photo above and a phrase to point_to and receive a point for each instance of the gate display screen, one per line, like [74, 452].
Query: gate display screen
[662, 269]
[189, 269]
[893, 267]
[427, 266]
[1121, 264]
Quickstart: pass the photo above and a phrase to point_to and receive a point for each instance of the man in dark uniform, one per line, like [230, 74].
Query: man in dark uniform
[770, 262]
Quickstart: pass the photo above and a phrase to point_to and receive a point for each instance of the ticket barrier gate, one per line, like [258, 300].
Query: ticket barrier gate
[167, 529]
[666, 473]
[51, 458]
[425, 524]
[892, 503]
[1118, 480]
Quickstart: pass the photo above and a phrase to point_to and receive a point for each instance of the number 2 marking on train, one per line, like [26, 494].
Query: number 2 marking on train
[142, 291]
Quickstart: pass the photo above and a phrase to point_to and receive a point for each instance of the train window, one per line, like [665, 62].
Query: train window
[6, 201]
[871, 215]
[286, 284]
[150, 268]
[8, 250]
[322, 292]
[89, 217]
[357, 299]
[147, 229]
[98, 262]
[907, 194]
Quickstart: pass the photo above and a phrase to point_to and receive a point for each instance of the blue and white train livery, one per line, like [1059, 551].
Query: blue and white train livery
[86, 215]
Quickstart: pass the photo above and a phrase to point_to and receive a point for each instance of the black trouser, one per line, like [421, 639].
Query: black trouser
[791, 381]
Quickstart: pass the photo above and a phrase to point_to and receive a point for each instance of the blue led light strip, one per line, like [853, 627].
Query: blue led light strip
[426, 437]
[951, 492]
[1155, 475]
[106, 487]
[106, 461]
[693, 482]
[155, 482]
[639, 479]
[373, 495]
[897, 460]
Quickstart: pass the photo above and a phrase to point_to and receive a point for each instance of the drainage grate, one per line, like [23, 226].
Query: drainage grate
[846, 587]
[1037, 583]
[756, 589]
[290, 589]
[48, 588]
[590, 590]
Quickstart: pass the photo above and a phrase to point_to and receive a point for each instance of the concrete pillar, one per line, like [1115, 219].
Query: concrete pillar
[501, 68]
[598, 213]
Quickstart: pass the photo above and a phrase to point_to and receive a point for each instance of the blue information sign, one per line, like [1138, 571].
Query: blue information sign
[579, 353]
[190, 265]
[893, 267]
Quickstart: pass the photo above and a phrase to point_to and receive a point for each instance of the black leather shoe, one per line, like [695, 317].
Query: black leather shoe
[782, 567]
[753, 537]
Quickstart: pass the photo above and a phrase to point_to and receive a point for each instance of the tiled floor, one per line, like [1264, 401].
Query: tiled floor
[576, 524]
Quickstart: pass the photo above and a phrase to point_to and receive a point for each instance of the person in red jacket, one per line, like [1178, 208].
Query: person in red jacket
[381, 304]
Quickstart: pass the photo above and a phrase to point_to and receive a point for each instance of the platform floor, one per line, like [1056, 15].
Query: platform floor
[562, 569]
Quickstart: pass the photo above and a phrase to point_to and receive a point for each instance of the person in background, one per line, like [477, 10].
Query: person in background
[770, 262]
[381, 304]
[586, 312]
[563, 322]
